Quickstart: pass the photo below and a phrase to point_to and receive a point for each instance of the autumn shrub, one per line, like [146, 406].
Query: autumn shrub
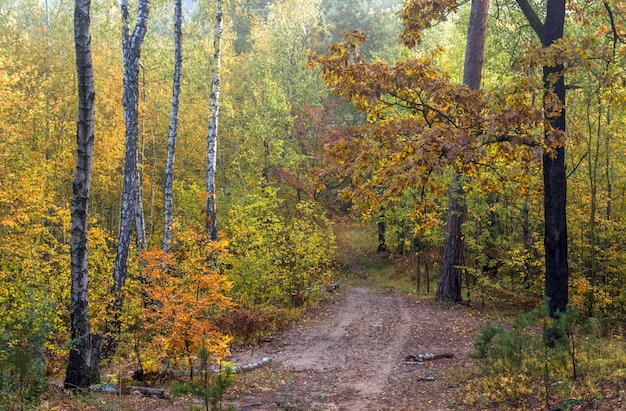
[537, 361]
[34, 264]
[501, 272]
[182, 296]
[248, 325]
[278, 256]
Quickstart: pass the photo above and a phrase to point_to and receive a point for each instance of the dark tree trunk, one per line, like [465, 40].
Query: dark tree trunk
[382, 245]
[171, 143]
[78, 367]
[554, 180]
[96, 349]
[475, 48]
[452, 258]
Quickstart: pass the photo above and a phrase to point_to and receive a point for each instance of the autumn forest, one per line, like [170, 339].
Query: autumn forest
[178, 178]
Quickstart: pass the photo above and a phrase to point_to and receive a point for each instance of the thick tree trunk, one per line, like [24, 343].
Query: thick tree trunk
[171, 142]
[554, 179]
[475, 48]
[131, 49]
[449, 288]
[452, 258]
[78, 367]
[211, 214]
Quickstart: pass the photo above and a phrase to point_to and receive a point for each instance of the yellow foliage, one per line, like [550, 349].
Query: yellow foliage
[277, 259]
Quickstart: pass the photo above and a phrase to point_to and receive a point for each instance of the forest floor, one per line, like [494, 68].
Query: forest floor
[350, 351]
[350, 354]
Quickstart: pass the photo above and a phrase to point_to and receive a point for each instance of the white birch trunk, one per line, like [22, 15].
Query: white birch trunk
[171, 142]
[78, 367]
[131, 51]
[211, 214]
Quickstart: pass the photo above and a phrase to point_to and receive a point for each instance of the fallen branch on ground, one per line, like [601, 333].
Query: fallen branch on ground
[420, 358]
[251, 366]
[146, 391]
[130, 389]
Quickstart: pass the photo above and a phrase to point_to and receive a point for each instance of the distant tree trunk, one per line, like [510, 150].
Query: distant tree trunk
[131, 49]
[140, 223]
[593, 158]
[171, 143]
[79, 363]
[382, 245]
[211, 214]
[452, 257]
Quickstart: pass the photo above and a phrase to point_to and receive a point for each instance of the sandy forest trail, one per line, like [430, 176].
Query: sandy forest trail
[349, 354]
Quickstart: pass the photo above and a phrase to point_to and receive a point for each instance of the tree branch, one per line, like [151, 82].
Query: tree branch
[533, 18]
[616, 36]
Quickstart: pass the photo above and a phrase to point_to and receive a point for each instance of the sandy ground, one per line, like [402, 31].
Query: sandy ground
[349, 354]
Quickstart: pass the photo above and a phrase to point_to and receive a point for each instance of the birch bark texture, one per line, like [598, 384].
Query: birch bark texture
[78, 367]
[131, 52]
[211, 212]
[449, 288]
[173, 131]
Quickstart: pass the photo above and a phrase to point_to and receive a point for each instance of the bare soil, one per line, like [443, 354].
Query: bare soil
[349, 354]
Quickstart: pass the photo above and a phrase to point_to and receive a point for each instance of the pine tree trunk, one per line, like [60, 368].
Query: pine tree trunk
[171, 142]
[78, 367]
[131, 49]
[211, 214]
[449, 288]
[452, 258]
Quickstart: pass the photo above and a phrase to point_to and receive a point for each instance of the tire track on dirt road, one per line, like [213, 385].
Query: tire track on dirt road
[350, 355]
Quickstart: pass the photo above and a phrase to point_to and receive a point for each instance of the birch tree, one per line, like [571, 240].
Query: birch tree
[131, 51]
[78, 367]
[211, 215]
[171, 142]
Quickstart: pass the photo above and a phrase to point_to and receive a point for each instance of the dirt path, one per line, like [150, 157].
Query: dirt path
[350, 354]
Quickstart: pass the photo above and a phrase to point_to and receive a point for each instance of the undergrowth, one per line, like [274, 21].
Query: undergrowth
[538, 361]
[211, 386]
